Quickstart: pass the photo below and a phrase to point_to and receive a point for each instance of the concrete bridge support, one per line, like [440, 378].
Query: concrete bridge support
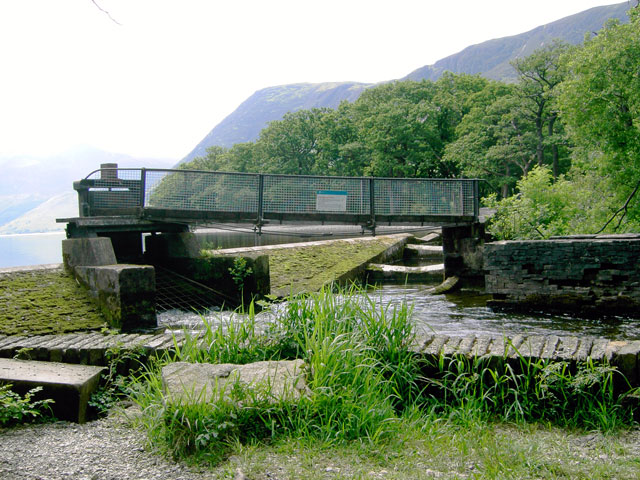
[463, 248]
[125, 293]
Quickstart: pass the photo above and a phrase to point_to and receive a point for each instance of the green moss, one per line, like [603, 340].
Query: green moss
[45, 301]
[308, 267]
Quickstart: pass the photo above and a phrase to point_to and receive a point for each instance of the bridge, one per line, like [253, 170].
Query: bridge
[115, 199]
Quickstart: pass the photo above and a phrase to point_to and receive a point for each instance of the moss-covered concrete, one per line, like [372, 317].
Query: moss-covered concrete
[306, 268]
[45, 301]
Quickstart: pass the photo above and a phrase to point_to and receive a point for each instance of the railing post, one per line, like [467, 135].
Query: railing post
[260, 202]
[476, 199]
[143, 186]
[372, 205]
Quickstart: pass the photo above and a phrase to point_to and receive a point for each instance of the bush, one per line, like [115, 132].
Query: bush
[15, 409]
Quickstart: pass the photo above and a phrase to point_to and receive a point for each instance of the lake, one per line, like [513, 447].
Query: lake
[30, 249]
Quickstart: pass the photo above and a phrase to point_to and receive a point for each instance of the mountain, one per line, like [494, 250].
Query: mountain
[43, 217]
[489, 59]
[245, 123]
[28, 181]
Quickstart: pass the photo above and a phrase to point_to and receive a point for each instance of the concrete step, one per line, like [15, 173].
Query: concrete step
[433, 238]
[70, 386]
[423, 251]
[400, 274]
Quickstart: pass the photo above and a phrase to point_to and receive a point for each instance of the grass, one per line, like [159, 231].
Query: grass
[443, 450]
[371, 402]
[45, 301]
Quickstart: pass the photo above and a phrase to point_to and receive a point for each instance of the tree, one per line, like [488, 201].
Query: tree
[495, 141]
[539, 74]
[600, 103]
[293, 144]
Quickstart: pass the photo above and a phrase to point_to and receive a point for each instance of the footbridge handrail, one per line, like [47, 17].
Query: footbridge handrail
[200, 195]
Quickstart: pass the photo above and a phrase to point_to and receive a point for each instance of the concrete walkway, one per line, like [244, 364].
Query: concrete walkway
[91, 348]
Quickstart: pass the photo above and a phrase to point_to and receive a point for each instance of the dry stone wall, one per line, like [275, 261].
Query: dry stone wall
[587, 275]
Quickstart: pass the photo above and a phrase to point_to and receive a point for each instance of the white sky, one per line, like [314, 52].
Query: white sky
[159, 82]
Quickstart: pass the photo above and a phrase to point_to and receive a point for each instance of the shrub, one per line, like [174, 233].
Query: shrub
[15, 408]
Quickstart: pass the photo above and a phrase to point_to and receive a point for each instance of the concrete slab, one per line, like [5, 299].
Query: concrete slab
[70, 386]
[423, 251]
[202, 382]
[399, 273]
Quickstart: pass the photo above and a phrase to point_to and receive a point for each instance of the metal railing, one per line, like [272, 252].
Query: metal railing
[196, 195]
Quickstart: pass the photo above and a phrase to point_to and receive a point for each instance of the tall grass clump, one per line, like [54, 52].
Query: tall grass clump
[360, 376]
[362, 383]
[586, 395]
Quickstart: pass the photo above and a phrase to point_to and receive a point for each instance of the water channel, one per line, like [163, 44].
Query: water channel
[457, 314]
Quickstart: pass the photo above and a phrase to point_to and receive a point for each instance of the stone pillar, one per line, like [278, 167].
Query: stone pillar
[93, 251]
[463, 247]
[124, 293]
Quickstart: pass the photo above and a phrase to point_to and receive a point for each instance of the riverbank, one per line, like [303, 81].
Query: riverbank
[113, 448]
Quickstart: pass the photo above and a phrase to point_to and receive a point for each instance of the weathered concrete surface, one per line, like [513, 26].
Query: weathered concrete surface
[597, 275]
[341, 270]
[83, 348]
[463, 253]
[70, 386]
[87, 252]
[433, 238]
[125, 294]
[200, 382]
[90, 348]
[423, 251]
[400, 274]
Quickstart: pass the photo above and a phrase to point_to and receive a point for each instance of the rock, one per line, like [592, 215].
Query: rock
[202, 382]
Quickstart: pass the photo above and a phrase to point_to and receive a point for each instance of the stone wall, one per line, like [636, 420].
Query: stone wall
[588, 275]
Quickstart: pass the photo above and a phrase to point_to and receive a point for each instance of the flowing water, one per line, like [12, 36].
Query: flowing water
[457, 315]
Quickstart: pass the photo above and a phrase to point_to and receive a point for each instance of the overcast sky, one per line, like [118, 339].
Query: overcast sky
[155, 83]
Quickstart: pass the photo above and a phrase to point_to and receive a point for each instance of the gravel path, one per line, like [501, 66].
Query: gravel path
[106, 449]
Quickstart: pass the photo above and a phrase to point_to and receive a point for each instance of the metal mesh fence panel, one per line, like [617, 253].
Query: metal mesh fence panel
[202, 191]
[307, 195]
[418, 197]
[190, 190]
[115, 188]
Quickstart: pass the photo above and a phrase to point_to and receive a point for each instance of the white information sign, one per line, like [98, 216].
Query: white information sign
[331, 201]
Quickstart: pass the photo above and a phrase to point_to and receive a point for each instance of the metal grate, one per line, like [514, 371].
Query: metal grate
[201, 191]
[419, 197]
[176, 292]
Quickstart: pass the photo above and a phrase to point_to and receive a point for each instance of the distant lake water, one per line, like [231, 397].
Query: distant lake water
[30, 249]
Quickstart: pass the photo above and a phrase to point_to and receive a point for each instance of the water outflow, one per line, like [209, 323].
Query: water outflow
[458, 314]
